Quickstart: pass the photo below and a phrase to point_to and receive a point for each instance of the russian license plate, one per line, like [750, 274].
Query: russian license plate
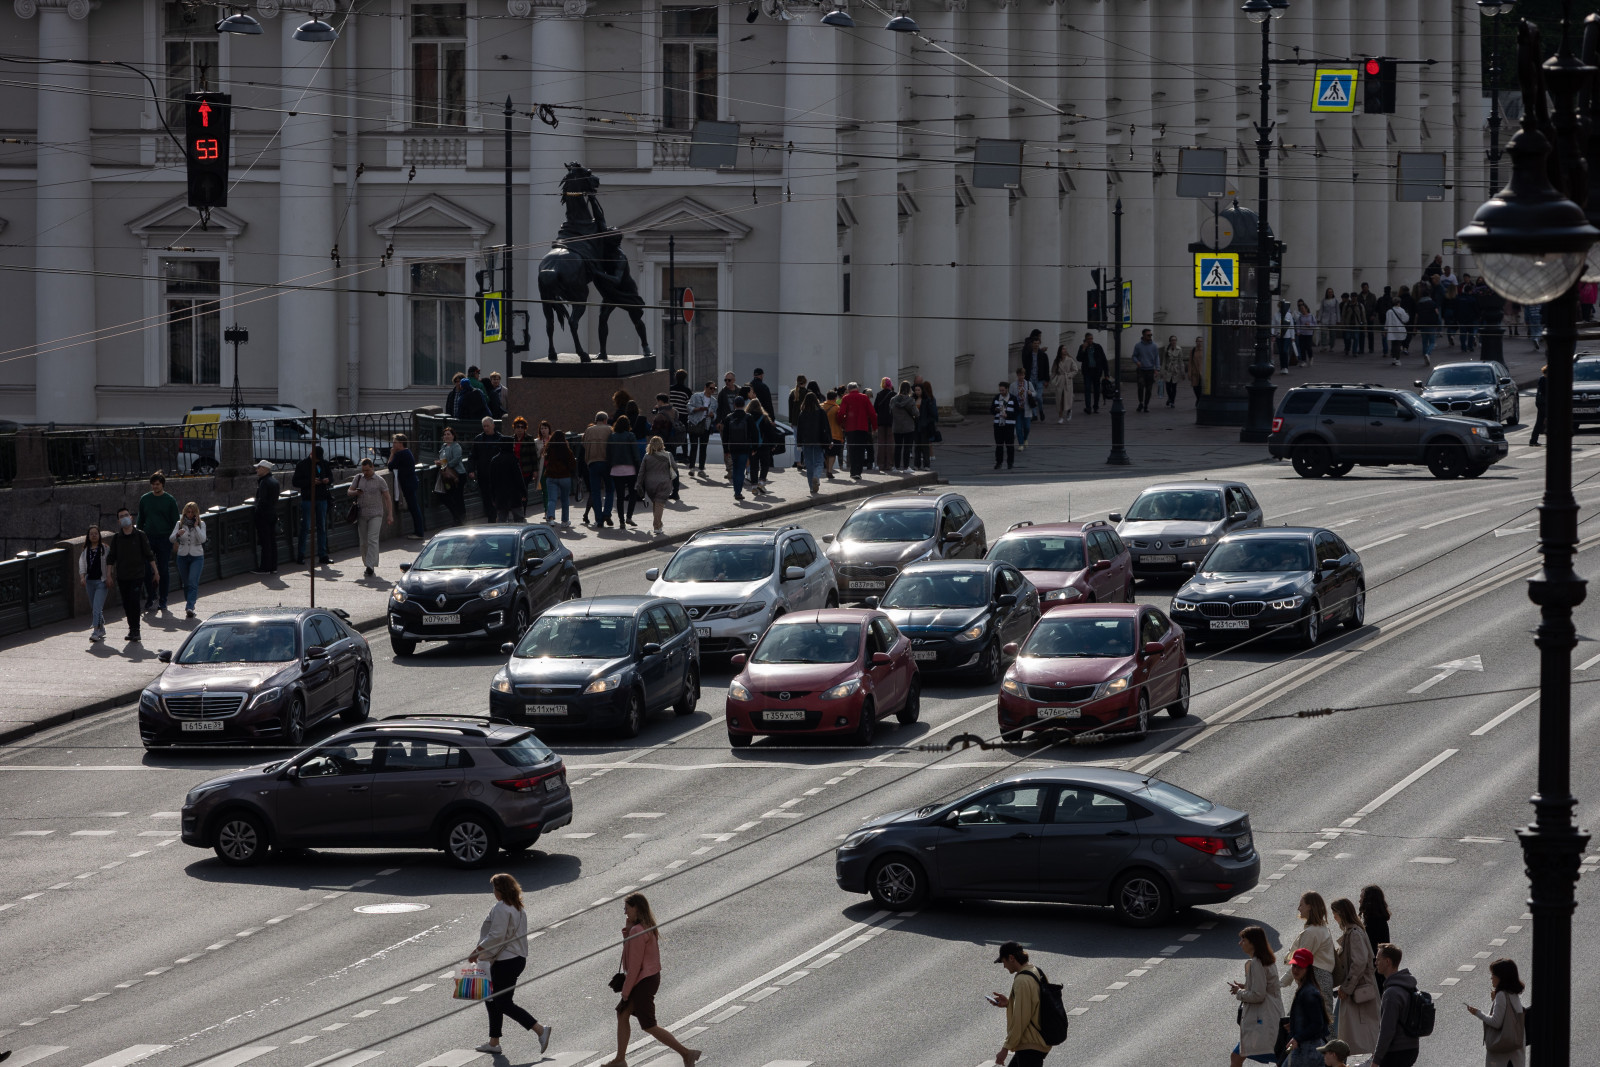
[786, 715]
[1241, 843]
[1158, 559]
[856, 583]
[1060, 713]
[201, 726]
[924, 656]
[547, 709]
[441, 620]
[1585, 410]
[1230, 624]
[702, 631]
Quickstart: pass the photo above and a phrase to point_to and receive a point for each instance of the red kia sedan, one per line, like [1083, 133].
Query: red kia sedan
[1092, 667]
[1069, 562]
[832, 673]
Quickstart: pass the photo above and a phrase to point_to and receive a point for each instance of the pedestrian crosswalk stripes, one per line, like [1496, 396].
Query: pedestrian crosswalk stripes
[345, 1057]
[34, 1053]
[238, 1056]
[130, 1055]
[348, 1057]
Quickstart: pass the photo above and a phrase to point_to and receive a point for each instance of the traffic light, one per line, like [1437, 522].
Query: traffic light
[1096, 316]
[208, 129]
[1378, 82]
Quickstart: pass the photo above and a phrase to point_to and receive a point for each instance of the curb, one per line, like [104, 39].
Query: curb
[11, 734]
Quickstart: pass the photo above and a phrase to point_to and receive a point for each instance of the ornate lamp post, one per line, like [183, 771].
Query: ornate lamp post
[1531, 241]
[1493, 9]
[1258, 413]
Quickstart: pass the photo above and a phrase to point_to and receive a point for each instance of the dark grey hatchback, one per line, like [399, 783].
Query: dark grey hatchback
[1088, 835]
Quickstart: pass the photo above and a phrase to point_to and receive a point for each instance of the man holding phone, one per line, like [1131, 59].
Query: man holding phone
[1022, 1009]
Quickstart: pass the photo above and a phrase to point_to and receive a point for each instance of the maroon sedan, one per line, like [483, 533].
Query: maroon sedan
[1069, 562]
[832, 673]
[1092, 667]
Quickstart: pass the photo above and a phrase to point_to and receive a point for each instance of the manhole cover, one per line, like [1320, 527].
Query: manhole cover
[390, 909]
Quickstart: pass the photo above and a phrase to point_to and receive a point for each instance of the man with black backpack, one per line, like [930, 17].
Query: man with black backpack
[1036, 1019]
[1405, 1014]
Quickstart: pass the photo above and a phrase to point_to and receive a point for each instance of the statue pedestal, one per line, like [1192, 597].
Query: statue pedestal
[568, 392]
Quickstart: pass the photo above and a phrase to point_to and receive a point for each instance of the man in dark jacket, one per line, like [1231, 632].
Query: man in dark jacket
[132, 563]
[738, 437]
[1396, 1048]
[1370, 319]
[1467, 317]
[759, 390]
[266, 516]
[471, 404]
[313, 474]
[884, 434]
[485, 447]
[506, 496]
[1092, 361]
[1005, 409]
[726, 396]
[452, 398]
[1036, 368]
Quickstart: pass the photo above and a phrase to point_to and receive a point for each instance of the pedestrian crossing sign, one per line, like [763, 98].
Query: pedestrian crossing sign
[493, 313]
[1216, 274]
[1335, 91]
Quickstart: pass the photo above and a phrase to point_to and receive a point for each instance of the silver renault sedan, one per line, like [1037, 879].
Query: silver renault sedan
[1175, 523]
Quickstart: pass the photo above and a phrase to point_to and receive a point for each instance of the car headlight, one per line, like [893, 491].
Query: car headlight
[737, 691]
[1114, 686]
[496, 592]
[267, 696]
[1286, 604]
[859, 838]
[1012, 686]
[1200, 542]
[200, 792]
[149, 700]
[1184, 605]
[502, 681]
[751, 608]
[1066, 592]
[605, 685]
[843, 689]
[397, 595]
[920, 559]
[972, 633]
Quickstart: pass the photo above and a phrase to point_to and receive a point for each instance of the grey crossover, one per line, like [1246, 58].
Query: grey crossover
[464, 785]
[1330, 429]
[888, 532]
[1175, 523]
[1086, 835]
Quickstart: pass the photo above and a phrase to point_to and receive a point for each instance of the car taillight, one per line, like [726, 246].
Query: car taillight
[1211, 846]
[1277, 424]
[548, 782]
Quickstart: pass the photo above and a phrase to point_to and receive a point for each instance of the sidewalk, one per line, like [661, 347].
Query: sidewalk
[39, 676]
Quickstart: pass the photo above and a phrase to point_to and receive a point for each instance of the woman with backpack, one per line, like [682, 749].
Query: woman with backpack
[1260, 1000]
[1505, 1028]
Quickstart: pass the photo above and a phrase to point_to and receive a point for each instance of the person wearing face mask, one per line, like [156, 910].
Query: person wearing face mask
[132, 562]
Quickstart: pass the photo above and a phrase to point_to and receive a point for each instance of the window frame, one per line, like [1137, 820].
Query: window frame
[400, 110]
[657, 68]
[441, 126]
[409, 300]
[165, 296]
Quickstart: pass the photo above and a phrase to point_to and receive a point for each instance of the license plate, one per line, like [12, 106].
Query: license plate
[1060, 713]
[857, 584]
[441, 620]
[787, 715]
[547, 709]
[702, 631]
[1230, 624]
[1158, 559]
[923, 656]
[552, 784]
[203, 726]
[1585, 410]
[1241, 843]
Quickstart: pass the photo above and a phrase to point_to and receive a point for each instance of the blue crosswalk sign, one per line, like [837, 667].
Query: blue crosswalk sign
[1216, 274]
[1335, 91]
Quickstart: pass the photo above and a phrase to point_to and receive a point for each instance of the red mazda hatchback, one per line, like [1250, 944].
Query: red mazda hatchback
[1069, 562]
[834, 673]
[1090, 667]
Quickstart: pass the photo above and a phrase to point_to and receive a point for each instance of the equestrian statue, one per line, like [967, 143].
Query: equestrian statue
[586, 250]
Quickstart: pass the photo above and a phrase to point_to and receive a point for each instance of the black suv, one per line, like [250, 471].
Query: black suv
[1586, 391]
[479, 582]
[1330, 428]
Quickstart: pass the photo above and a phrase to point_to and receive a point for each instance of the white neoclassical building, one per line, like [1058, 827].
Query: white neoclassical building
[850, 240]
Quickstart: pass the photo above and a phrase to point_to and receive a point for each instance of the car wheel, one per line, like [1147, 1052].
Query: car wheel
[241, 840]
[1141, 718]
[1311, 629]
[911, 710]
[1339, 470]
[897, 883]
[574, 591]
[992, 666]
[1474, 470]
[867, 727]
[1141, 899]
[469, 841]
[1358, 608]
[520, 622]
[402, 647]
[633, 718]
[1130, 593]
[739, 740]
[1311, 461]
[360, 708]
[1446, 461]
[294, 722]
[1180, 707]
[1516, 411]
[691, 694]
[832, 601]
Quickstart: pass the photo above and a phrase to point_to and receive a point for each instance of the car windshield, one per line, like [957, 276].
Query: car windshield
[1453, 377]
[481, 552]
[1080, 638]
[1040, 553]
[1586, 370]
[244, 641]
[889, 524]
[525, 751]
[577, 637]
[810, 642]
[1177, 505]
[1419, 405]
[1168, 796]
[1254, 554]
[949, 589]
[720, 563]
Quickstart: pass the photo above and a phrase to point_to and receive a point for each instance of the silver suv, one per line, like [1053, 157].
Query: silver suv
[462, 784]
[1329, 429]
[1175, 523]
[733, 583]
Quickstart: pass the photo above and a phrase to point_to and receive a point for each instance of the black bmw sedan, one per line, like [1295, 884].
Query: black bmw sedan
[1285, 581]
[1478, 390]
[960, 614]
[479, 582]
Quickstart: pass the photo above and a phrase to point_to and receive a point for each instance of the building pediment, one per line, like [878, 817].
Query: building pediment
[433, 218]
[176, 218]
[692, 225]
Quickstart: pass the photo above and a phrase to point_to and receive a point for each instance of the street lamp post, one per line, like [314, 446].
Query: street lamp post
[1492, 9]
[1531, 240]
[1118, 457]
[1258, 413]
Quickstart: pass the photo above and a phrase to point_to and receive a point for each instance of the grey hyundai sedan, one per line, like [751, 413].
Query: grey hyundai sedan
[1087, 835]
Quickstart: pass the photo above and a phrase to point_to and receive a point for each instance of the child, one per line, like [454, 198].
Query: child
[1334, 1053]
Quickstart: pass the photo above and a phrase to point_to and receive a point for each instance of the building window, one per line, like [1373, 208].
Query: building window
[439, 64]
[189, 46]
[194, 320]
[688, 66]
[438, 321]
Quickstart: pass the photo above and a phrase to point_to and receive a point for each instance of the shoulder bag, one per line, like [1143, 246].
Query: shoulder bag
[1510, 1037]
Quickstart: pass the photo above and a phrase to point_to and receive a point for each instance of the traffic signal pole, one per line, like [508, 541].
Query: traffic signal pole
[506, 292]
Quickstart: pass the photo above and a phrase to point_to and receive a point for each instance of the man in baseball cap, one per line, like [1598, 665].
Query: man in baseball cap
[266, 518]
[1334, 1053]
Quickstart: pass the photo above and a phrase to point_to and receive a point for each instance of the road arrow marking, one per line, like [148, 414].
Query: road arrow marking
[1507, 531]
[1471, 663]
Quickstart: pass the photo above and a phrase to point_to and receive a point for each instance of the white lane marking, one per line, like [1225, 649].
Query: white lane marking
[1395, 790]
[1432, 859]
[1454, 518]
[1504, 715]
[1590, 662]
[92, 833]
[789, 1063]
[346, 1058]
[644, 815]
[578, 837]
[46, 833]
[237, 1056]
[1473, 662]
[33, 1053]
[131, 1054]
[456, 1057]
[107, 814]
[1380, 541]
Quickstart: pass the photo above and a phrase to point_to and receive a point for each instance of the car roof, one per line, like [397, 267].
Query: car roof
[465, 725]
[279, 612]
[1024, 529]
[1275, 531]
[1100, 610]
[1466, 363]
[828, 615]
[735, 535]
[610, 604]
[906, 500]
[1188, 486]
[1130, 780]
[954, 565]
[488, 528]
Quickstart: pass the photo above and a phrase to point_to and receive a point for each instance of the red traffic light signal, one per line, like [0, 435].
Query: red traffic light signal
[208, 129]
[1379, 86]
[1373, 66]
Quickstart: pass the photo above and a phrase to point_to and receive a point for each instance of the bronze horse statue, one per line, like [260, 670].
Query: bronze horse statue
[586, 251]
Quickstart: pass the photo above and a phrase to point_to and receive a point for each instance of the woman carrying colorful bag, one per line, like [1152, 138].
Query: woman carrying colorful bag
[503, 942]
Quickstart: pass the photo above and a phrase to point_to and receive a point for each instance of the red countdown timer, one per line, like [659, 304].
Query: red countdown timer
[207, 122]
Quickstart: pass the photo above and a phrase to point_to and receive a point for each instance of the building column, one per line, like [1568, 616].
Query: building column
[307, 318]
[1134, 73]
[1438, 130]
[1172, 304]
[1335, 209]
[1039, 255]
[1294, 168]
[935, 333]
[875, 251]
[1470, 114]
[808, 268]
[1084, 241]
[1370, 220]
[987, 278]
[65, 369]
[1405, 220]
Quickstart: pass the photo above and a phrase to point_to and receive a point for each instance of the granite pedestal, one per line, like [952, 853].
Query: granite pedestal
[568, 392]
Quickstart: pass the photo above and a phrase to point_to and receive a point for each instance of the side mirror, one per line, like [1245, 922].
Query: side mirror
[1115, 516]
[290, 773]
[870, 603]
[1349, 560]
[1101, 565]
[1009, 648]
[1507, 381]
[404, 567]
[1239, 516]
[1417, 382]
[827, 539]
[652, 574]
[1152, 648]
[739, 659]
[1332, 564]
[952, 539]
[880, 659]
[165, 655]
[651, 648]
[1191, 566]
[507, 648]
[950, 818]
[794, 574]
[316, 652]
[1006, 600]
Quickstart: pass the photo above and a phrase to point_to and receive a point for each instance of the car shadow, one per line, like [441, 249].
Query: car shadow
[421, 873]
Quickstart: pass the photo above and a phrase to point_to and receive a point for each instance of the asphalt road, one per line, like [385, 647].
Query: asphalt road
[122, 944]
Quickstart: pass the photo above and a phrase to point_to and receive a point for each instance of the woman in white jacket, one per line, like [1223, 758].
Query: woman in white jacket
[189, 541]
[503, 941]
[1260, 1000]
[1394, 329]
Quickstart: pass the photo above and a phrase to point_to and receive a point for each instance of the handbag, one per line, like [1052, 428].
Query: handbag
[618, 980]
[472, 983]
[1510, 1037]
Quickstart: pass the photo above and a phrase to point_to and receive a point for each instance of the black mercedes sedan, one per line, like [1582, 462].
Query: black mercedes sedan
[480, 582]
[1478, 390]
[259, 675]
[1284, 581]
[607, 661]
[960, 615]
